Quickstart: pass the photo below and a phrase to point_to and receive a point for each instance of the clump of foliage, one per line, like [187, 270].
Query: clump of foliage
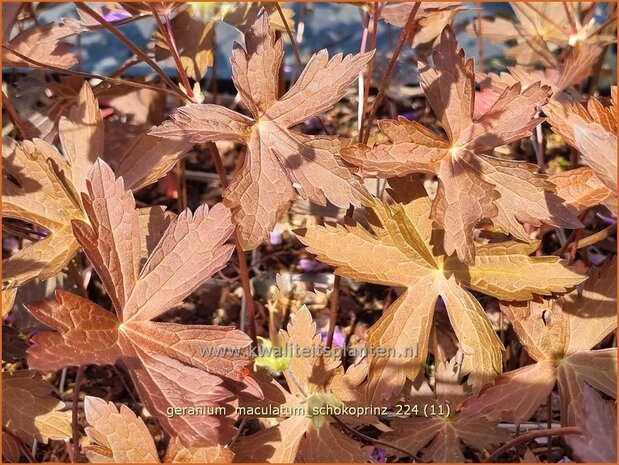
[477, 227]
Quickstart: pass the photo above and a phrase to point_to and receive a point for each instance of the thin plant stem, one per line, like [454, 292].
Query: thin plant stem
[244, 270]
[546, 18]
[75, 425]
[549, 421]
[368, 83]
[109, 79]
[295, 47]
[480, 40]
[376, 442]
[335, 296]
[335, 307]
[18, 123]
[570, 18]
[408, 28]
[597, 237]
[214, 89]
[181, 180]
[529, 437]
[168, 35]
[361, 78]
[134, 48]
[181, 70]
[297, 56]
[605, 24]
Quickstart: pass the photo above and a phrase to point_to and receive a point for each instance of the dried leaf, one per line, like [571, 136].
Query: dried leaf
[402, 253]
[592, 131]
[149, 158]
[277, 157]
[540, 24]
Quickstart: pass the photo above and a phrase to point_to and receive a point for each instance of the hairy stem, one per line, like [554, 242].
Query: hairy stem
[406, 31]
[597, 237]
[168, 35]
[368, 83]
[295, 47]
[74, 408]
[529, 437]
[480, 40]
[18, 123]
[335, 296]
[109, 79]
[131, 46]
[244, 270]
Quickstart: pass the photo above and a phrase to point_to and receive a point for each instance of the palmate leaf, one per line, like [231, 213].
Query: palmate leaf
[559, 335]
[312, 380]
[165, 360]
[473, 186]
[278, 159]
[403, 251]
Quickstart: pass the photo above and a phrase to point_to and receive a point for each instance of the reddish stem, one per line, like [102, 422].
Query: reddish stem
[131, 46]
[74, 422]
[244, 270]
[408, 29]
[168, 33]
[529, 437]
[18, 123]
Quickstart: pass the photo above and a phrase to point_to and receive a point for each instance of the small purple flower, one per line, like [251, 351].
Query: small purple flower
[287, 69]
[10, 243]
[378, 456]
[565, 460]
[117, 15]
[607, 219]
[310, 265]
[339, 338]
[409, 115]
[275, 238]
[311, 123]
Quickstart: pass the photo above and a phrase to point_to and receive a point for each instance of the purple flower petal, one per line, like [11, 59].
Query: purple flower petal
[116, 15]
[275, 238]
